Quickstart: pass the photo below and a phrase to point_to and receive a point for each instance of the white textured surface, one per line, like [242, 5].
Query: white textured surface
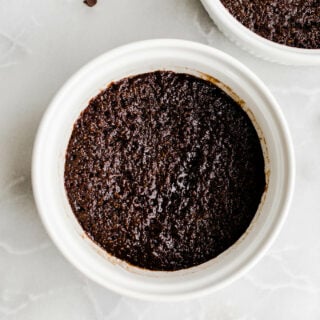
[41, 44]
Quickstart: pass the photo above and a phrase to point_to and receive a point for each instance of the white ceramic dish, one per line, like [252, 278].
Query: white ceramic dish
[256, 44]
[49, 157]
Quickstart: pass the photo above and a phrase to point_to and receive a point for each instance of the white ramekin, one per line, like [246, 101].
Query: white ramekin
[256, 44]
[49, 157]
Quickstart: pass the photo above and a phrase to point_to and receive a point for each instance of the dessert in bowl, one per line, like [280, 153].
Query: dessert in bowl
[163, 169]
[286, 31]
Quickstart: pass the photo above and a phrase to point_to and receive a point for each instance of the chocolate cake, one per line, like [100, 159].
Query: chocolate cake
[164, 170]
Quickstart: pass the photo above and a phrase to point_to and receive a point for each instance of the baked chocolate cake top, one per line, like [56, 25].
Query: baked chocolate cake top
[164, 170]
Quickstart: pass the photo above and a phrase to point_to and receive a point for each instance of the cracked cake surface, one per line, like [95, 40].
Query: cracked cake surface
[164, 170]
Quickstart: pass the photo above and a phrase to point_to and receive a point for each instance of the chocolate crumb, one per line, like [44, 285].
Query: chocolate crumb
[90, 3]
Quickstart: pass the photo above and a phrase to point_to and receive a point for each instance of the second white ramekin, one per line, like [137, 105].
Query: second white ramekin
[256, 44]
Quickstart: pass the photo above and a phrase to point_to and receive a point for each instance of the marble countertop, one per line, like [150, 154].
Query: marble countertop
[42, 43]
